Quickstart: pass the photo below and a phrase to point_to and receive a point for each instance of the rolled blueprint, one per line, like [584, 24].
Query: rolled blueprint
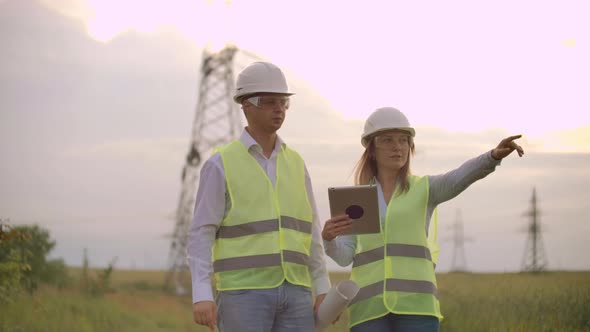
[334, 303]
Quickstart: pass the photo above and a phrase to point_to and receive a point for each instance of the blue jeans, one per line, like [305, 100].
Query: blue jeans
[399, 323]
[287, 308]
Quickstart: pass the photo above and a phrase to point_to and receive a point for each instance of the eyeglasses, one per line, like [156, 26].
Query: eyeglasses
[388, 141]
[268, 102]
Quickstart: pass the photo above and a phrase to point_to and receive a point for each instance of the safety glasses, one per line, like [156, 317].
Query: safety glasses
[388, 141]
[269, 102]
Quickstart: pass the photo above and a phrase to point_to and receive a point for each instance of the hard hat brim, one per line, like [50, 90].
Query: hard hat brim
[365, 138]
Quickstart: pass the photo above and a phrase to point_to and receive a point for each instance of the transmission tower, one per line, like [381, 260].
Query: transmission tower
[534, 259]
[217, 122]
[459, 262]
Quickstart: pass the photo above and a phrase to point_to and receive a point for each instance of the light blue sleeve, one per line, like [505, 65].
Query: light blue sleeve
[341, 249]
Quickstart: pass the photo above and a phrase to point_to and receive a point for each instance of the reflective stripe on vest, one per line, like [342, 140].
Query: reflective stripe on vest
[263, 226]
[265, 237]
[248, 262]
[394, 268]
[397, 249]
[395, 285]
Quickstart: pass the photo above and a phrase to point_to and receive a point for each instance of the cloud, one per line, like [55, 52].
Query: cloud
[456, 71]
[93, 138]
[573, 140]
[140, 150]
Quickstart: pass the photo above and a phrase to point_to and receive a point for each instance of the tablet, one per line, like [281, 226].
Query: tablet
[360, 203]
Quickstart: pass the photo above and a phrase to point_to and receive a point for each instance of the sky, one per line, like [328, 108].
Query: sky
[97, 99]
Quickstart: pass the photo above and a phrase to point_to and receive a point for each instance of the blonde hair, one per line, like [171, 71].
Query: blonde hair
[366, 168]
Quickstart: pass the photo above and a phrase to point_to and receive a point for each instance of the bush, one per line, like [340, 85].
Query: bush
[56, 273]
[100, 284]
[12, 266]
[11, 274]
[23, 258]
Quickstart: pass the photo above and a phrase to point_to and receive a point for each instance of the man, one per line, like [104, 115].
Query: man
[256, 224]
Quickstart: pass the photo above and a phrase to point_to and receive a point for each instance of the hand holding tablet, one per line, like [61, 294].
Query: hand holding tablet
[360, 204]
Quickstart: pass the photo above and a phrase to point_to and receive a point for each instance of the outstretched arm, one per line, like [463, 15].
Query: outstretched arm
[446, 186]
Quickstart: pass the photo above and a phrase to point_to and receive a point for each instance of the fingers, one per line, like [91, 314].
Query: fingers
[520, 150]
[512, 138]
[508, 140]
[205, 313]
[341, 224]
[507, 145]
[336, 226]
[202, 318]
[511, 146]
[516, 147]
[198, 318]
[339, 218]
[213, 319]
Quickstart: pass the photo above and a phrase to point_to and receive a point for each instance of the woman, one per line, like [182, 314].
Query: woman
[394, 268]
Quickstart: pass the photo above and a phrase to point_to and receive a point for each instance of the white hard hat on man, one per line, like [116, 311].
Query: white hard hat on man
[260, 77]
[383, 119]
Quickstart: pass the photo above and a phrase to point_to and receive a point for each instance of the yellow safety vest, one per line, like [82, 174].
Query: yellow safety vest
[266, 236]
[394, 268]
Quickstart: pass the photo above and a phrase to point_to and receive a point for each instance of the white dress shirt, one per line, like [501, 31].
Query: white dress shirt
[212, 205]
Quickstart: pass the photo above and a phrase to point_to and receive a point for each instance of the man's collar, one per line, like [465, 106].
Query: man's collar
[248, 141]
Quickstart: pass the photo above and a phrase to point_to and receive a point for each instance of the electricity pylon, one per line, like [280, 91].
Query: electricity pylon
[217, 122]
[534, 259]
[459, 262]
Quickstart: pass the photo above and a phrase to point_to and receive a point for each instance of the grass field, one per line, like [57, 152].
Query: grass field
[553, 301]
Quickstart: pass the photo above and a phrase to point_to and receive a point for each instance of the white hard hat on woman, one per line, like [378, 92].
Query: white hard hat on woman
[385, 118]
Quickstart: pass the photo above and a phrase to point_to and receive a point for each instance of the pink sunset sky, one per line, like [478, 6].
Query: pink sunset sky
[97, 99]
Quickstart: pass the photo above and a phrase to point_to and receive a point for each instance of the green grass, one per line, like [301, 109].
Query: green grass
[555, 301]
[52, 310]
[552, 301]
